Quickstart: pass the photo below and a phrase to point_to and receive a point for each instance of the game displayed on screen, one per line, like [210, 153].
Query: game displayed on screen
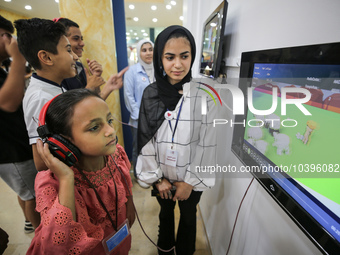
[306, 147]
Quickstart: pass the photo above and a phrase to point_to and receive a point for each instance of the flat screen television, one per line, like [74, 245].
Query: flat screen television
[295, 156]
[212, 42]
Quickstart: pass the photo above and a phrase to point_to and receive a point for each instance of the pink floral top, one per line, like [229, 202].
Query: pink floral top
[58, 233]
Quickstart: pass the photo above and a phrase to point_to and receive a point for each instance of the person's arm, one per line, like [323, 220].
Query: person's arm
[38, 162]
[205, 151]
[64, 174]
[114, 82]
[12, 91]
[147, 167]
[130, 211]
[129, 95]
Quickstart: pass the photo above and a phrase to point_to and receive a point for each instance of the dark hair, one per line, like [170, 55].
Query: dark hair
[60, 112]
[38, 34]
[6, 24]
[67, 23]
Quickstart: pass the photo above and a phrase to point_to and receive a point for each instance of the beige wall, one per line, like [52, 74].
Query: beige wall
[95, 19]
[11, 16]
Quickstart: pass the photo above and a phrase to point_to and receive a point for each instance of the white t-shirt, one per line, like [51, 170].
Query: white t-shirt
[39, 91]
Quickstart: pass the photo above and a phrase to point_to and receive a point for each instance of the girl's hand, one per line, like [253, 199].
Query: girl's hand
[60, 169]
[64, 174]
[130, 211]
[164, 188]
[183, 191]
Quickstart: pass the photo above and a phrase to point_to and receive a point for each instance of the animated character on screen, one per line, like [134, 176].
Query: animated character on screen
[310, 128]
[272, 122]
[255, 134]
[282, 143]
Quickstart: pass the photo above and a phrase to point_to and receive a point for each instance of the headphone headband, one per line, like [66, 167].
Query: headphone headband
[59, 146]
[42, 114]
[43, 129]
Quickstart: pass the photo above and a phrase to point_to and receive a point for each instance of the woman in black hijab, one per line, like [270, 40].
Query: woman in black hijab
[173, 138]
[162, 95]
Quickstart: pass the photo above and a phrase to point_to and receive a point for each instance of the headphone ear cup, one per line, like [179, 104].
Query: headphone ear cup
[63, 149]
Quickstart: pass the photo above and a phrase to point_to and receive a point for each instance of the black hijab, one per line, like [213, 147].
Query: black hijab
[161, 95]
[168, 93]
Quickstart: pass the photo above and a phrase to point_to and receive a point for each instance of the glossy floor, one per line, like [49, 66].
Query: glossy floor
[12, 221]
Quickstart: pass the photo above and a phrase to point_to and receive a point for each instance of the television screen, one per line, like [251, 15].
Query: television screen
[294, 147]
[212, 41]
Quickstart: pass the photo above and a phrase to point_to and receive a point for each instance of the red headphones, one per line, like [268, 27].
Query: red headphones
[59, 146]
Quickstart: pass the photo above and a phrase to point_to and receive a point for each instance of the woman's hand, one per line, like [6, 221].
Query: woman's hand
[164, 188]
[183, 191]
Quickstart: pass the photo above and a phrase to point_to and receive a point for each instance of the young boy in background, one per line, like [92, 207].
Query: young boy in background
[73, 34]
[83, 78]
[45, 46]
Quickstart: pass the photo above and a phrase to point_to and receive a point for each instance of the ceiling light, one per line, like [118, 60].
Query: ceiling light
[134, 33]
[127, 33]
[137, 38]
[57, 1]
[154, 20]
[145, 34]
[168, 6]
[28, 7]
[8, 0]
[135, 19]
[181, 18]
[131, 6]
[143, 30]
[173, 2]
[153, 7]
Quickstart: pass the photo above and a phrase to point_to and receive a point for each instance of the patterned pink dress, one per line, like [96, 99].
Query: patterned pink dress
[59, 234]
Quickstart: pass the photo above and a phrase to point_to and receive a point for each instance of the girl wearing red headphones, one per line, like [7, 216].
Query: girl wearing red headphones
[85, 198]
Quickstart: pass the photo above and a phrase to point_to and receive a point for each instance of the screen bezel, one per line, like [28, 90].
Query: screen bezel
[222, 11]
[311, 54]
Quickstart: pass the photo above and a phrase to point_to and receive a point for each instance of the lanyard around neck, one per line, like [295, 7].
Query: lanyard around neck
[179, 113]
[100, 200]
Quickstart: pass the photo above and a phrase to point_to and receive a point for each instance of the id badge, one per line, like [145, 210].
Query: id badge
[113, 241]
[171, 157]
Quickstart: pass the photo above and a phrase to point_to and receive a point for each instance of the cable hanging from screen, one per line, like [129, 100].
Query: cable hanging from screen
[239, 208]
